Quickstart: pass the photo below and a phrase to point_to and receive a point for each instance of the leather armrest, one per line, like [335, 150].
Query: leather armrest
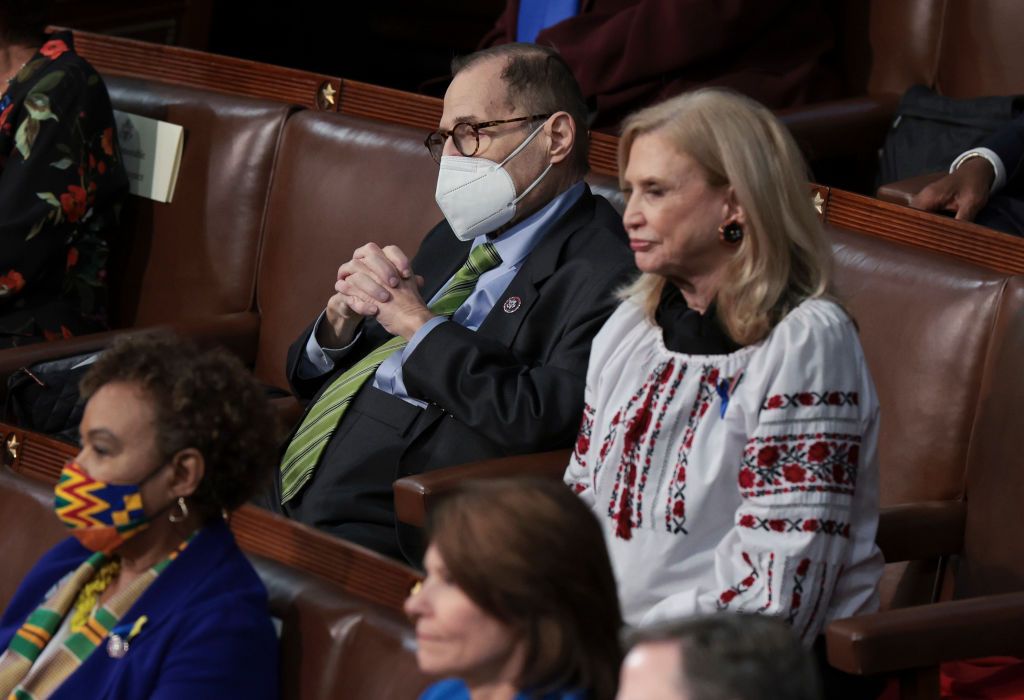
[902, 191]
[927, 635]
[848, 127]
[415, 495]
[238, 332]
[927, 530]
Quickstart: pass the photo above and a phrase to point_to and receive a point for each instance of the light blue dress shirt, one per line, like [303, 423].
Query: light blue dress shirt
[514, 245]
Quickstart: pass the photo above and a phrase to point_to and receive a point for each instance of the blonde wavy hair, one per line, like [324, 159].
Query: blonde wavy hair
[783, 258]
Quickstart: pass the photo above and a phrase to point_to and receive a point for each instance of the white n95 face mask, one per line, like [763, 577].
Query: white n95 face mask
[477, 195]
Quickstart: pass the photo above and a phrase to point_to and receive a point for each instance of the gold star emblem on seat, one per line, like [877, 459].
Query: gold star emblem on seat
[819, 202]
[327, 93]
[12, 446]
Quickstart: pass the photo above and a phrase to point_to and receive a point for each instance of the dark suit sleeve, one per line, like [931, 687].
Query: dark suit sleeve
[520, 407]
[371, 336]
[1008, 144]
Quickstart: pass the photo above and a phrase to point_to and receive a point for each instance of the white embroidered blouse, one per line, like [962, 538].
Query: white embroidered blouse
[746, 481]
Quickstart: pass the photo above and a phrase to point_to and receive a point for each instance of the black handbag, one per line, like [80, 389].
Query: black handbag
[45, 398]
[930, 130]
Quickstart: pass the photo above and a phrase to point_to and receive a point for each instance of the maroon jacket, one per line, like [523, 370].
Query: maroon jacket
[627, 54]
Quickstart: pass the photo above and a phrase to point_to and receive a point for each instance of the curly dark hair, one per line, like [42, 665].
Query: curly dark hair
[205, 400]
[23, 21]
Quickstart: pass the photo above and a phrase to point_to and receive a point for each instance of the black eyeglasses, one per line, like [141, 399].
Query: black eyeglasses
[466, 136]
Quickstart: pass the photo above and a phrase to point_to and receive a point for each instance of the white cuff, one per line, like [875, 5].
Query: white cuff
[992, 157]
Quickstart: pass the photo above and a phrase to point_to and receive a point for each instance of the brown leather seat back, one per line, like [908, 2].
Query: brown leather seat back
[196, 256]
[925, 323]
[888, 45]
[29, 528]
[993, 546]
[981, 49]
[333, 645]
[339, 182]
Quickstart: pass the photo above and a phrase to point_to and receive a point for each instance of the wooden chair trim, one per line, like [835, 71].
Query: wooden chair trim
[197, 69]
[965, 241]
[356, 570]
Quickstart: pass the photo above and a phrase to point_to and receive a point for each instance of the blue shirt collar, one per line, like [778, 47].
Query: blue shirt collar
[518, 241]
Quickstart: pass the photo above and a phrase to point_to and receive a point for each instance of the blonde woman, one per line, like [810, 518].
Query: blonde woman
[728, 442]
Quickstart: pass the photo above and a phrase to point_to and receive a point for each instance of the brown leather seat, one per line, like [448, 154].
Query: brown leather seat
[191, 261]
[29, 528]
[336, 646]
[339, 182]
[960, 48]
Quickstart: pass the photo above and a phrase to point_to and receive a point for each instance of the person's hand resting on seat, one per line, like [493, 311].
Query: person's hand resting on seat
[963, 192]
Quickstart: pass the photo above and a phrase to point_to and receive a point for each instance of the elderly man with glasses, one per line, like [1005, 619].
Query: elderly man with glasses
[478, 346]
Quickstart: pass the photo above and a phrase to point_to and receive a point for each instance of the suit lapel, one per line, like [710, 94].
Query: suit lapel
[512, 307]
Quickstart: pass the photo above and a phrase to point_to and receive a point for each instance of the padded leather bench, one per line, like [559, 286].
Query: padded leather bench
[190, 263]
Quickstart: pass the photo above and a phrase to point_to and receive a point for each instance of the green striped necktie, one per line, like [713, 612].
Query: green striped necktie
[310, 440]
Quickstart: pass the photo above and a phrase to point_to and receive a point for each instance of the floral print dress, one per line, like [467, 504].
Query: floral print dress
[61, 182]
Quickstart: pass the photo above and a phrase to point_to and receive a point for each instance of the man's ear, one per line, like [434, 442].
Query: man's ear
[561, 131]
[188, 472]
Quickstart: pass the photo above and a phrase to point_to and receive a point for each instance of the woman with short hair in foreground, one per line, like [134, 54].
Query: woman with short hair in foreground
[729, 437]
[151, 597]
[519, 601]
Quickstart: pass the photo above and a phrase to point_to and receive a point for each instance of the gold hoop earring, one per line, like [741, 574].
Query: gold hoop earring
[183, 508]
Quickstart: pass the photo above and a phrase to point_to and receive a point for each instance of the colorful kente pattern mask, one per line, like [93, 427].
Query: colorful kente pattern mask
[101, 515]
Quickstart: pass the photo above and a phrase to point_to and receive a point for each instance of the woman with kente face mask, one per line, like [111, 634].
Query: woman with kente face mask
[151, 597]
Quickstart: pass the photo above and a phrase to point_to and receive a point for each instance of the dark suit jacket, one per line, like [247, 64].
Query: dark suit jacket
[208, 633]
[1005, 209]
[1008, 143]
[627, 54]
[515, 385]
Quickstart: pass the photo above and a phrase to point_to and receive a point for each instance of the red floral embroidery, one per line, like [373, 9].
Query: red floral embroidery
[74, 202]
[72, 257]
[799, 576]
[583, 439]
[811, 398]
[793, 473]
[64, 334]
[812, 525]
[5, 115]
[818, 452]
[107, 141]
[675, 510]
[729, 594]
[642, 428]
[12, 281]
[811, 462]
[767, 456]
[747, 478]
[54, 48]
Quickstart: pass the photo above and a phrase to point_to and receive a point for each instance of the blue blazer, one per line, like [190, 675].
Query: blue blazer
[208, 633]
[455, 689]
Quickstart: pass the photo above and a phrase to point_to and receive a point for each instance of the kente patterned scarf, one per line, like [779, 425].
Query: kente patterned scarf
[20, 679]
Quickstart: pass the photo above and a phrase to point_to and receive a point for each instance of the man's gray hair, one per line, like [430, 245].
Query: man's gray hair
[539, 81]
